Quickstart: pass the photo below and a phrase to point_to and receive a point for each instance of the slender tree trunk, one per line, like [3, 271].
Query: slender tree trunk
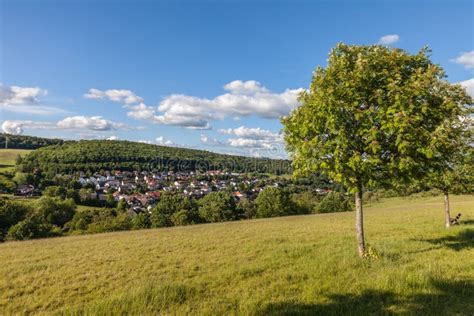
[447, 215]
[359, 222]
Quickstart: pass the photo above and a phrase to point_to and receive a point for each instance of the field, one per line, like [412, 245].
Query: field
[289, 265]
[8, 156]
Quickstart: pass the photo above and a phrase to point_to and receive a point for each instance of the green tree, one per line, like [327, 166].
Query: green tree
[334, 202]
[167, 206]
[141, 221]
[273, 202]
[11, 212]
[54, 210]
[217, 207]
[122, 205]
[34, 226]
[368, 119]
[21, 178]
[453, 169]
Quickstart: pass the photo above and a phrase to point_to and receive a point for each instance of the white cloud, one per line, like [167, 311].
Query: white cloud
[15, 95]
[210, 140]
[469, 85]
[18, 127]
[245, 87]
[25, 100]
[113, 137]
[254, 133]
[115, 95]
[253, 137]
[75, 123]
[96, 123]
[465, 59]
[163, 141]
[14, 128]
[389, 39]
[243, 98]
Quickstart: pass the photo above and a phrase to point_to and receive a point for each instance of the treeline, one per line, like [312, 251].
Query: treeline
[26, 142]
[95, 155]
[53, 215]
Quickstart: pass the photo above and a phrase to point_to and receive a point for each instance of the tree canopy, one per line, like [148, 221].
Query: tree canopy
[373, 116]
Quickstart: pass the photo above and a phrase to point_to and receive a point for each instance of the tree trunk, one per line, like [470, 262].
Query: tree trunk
[447, 215]
[359, 223]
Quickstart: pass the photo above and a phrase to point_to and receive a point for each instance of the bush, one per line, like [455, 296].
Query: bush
[141, 221]
[32, 227]
[273, 202]
[168, 205]
[11, 212]
[55, 211]
[185, 217]
[99, 221]
[305, 202]
[217, 207]
[246, 209]
[334, 202]
[55, 191]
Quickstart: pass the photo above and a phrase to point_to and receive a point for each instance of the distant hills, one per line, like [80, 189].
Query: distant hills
[54, 156]
[26, 142]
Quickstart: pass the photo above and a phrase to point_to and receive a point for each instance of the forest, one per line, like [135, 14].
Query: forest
[26, 142]
[93, 155]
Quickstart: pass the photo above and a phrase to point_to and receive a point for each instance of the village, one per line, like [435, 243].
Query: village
[141, 190]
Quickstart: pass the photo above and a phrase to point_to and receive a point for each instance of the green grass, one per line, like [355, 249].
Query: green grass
[290, 265]
[8, 156]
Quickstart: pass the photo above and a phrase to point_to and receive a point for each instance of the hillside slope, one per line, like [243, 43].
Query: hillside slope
[94, 155]
[301, 264]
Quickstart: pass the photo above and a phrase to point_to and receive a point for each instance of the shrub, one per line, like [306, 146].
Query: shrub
[167, 206]
[32, 227]
[55, 211]
[99, 221]
[141, 221]
[217, 207]
[246, 209]
[273, 202]
[185, 217]
[11, 212]
[305, 202]
[334, 202]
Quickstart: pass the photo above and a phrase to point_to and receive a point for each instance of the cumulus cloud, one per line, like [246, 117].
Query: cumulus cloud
[252, 137]
[76, 123]
[113, 137]
[17, 127]
[115, 95]
[389, 39]
[465, 59]
[207, 140]
[469, 85]
[242, 98]
[25, 100]
[254, 133]
[95, 123]
[12, 128]
[163, 141]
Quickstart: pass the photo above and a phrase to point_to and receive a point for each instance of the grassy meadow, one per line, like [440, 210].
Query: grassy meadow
[289, 265]
[8, 156]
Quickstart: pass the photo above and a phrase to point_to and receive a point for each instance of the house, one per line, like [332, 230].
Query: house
[25, 190]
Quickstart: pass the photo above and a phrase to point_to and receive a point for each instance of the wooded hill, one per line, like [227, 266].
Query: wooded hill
[26, 142]
[95, 155]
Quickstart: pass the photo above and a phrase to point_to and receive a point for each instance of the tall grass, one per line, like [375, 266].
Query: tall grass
[292, 265]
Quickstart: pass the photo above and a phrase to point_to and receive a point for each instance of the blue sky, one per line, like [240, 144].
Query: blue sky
[204, 74]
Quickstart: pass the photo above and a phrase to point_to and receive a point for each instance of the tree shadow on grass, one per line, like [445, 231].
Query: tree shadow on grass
[467, 222]
[463, 240]
[446, 298]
